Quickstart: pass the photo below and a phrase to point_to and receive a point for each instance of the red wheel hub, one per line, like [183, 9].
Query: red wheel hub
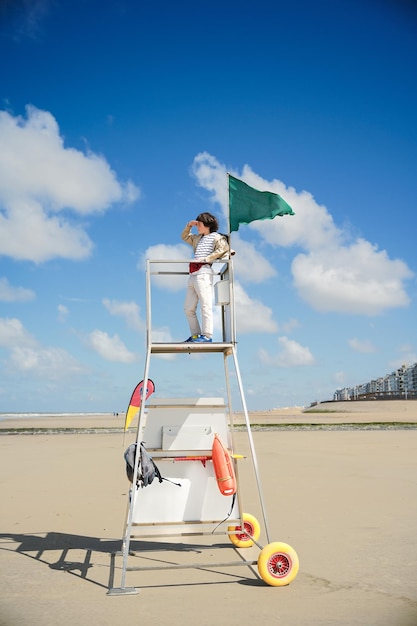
[243, 536]
[279, 565]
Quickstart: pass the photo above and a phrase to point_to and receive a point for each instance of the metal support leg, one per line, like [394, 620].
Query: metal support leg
[251, 444]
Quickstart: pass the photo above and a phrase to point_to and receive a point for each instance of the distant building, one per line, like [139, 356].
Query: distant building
[400, 384]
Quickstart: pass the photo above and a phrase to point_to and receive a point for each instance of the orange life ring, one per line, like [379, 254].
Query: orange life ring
[223, 468]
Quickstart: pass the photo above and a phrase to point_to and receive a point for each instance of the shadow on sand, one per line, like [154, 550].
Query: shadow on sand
[78, 555]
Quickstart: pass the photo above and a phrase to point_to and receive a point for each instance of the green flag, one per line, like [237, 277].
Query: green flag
[247, 204]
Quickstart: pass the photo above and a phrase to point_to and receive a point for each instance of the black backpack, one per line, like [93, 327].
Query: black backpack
[147, 468]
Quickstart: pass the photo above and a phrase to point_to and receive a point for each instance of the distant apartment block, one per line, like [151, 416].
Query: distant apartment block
[400, 384]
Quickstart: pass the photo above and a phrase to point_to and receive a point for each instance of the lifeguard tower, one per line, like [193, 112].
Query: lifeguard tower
[179, 434]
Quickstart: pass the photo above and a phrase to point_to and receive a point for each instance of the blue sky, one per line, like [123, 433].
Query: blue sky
[118, 123]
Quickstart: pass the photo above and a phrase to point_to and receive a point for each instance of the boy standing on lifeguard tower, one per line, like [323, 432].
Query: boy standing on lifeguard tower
[208, 246]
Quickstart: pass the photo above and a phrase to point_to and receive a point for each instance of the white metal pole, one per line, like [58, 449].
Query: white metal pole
[251, 444]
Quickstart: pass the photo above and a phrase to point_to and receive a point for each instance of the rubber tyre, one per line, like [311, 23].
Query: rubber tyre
[251, 526]
[278, 564]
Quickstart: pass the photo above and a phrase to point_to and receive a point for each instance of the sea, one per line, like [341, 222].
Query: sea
[28, 416]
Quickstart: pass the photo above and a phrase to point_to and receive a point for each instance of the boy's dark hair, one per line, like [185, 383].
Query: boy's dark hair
[208, 220]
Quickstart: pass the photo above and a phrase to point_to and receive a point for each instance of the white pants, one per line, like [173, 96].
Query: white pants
[200, 289]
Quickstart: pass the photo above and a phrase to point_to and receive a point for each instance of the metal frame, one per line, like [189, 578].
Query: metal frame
[229, 349]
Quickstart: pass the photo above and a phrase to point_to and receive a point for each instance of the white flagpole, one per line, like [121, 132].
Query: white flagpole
[228, 205]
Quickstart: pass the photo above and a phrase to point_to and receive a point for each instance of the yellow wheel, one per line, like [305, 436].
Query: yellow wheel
[278, 564]
[244, 538]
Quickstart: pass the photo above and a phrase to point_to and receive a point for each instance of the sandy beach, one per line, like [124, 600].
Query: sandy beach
[345, 500]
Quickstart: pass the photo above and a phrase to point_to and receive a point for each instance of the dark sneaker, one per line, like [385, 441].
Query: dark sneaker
[191, 339]
[202, 339]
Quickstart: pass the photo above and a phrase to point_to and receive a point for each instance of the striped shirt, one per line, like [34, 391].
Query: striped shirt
[205, 246]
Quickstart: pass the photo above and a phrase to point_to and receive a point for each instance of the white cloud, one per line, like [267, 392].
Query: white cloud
[110, 348]
[45, 187]
[334, 274]
[163, 335]
[26, 355]
[312, 227]
[53, 363]
[27, 232]
[62, 312]
[171, 279]
[352, 279]
[8, 293]
[292, 354]
[250, 266]
[211, 175]
[289, 326]
[365, 346]
[130, 311]
[13, 333]
[251, 315]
